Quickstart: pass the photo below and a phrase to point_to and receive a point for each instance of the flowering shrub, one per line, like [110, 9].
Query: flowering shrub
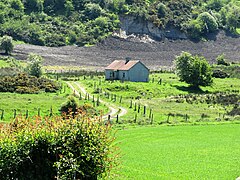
[79, 148]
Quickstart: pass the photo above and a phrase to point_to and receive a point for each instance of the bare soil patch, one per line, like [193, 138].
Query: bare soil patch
[155, 55]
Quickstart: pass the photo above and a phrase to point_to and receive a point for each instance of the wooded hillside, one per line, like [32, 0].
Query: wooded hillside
[65, 22]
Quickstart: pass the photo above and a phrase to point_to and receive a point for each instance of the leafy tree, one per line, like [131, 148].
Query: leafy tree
[161, 10]
[195, 29]
[35, 68]
[17, 5]
[33, 5]
[233, 19]
[7, 44]
[193, 70]
[215, 4]
[209, 21]
[92, 11]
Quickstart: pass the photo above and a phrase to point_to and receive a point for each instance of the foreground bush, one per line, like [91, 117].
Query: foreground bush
[56, 148]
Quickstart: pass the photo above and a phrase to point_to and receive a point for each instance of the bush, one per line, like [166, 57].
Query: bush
[221, 60]
[235, 111]
[70, 106]
[220, 74]
[26, 84]
[6, 44]
[56, 148]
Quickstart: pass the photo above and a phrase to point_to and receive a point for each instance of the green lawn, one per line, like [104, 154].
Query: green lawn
[180, 152]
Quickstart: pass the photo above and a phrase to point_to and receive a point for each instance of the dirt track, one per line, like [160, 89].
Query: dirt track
[154, 55]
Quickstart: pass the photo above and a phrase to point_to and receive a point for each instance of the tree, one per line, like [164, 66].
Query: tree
[209, 21]
[7, 44]
[35, 68]
[233, 19]
[193, 70]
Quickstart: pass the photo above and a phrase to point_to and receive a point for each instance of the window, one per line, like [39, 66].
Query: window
[123, 75]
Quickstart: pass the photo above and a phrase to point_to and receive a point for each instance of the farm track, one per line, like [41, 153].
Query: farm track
[114, 110]
[155, 55]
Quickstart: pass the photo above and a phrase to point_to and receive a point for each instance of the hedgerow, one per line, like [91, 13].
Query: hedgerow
[79, 148]
[25, 84]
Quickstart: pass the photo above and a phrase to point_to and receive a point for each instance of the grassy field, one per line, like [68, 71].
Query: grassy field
[171, 97]
[47, 102]
[31, 102]
[4, 63]
[180, 152]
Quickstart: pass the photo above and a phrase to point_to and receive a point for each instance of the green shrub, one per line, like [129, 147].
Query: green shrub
[70, 106]
[25, 84]
[219, 74]
[37, 149]
[221, 60]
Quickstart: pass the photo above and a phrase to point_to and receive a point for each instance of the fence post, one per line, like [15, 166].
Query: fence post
[120, 100]
[14, 113]
[93, 99]
[98, 101]
[135, 106]
[26, 113]
[117, 119]
[139, 106]
[135, 118]
[151, 119]
[186, 118]
[144, 110]
[80, 96]
[130, 104]
[51, 112]
[2, 115]
[150, 114]
[39, 112]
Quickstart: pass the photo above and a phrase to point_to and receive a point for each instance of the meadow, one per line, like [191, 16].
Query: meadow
[179, 152]
[168, 100]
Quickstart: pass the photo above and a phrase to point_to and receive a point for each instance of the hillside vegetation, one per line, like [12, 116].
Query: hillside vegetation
[81, 22]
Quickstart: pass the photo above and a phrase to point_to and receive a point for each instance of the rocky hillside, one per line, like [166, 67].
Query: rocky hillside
[155, 55]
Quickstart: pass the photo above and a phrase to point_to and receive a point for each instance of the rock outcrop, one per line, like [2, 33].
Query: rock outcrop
[133, 25]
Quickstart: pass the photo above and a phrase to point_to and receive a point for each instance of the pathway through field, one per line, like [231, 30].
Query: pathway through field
[114, 110]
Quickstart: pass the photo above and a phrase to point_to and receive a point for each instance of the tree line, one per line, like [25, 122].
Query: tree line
[86, 22]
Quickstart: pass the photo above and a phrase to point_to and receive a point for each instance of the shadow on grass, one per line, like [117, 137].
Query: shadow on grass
[191, 89]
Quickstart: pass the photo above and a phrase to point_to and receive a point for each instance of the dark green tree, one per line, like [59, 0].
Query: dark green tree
[34, 68]
[193, 70]
[210, 23]
[6, 44]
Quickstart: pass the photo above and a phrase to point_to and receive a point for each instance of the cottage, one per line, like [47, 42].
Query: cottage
[127, 70]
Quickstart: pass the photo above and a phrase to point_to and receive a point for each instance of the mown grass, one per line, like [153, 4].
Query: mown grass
[164, 98]
[180, 152]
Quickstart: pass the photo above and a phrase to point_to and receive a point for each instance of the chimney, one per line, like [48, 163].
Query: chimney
[127, 60]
